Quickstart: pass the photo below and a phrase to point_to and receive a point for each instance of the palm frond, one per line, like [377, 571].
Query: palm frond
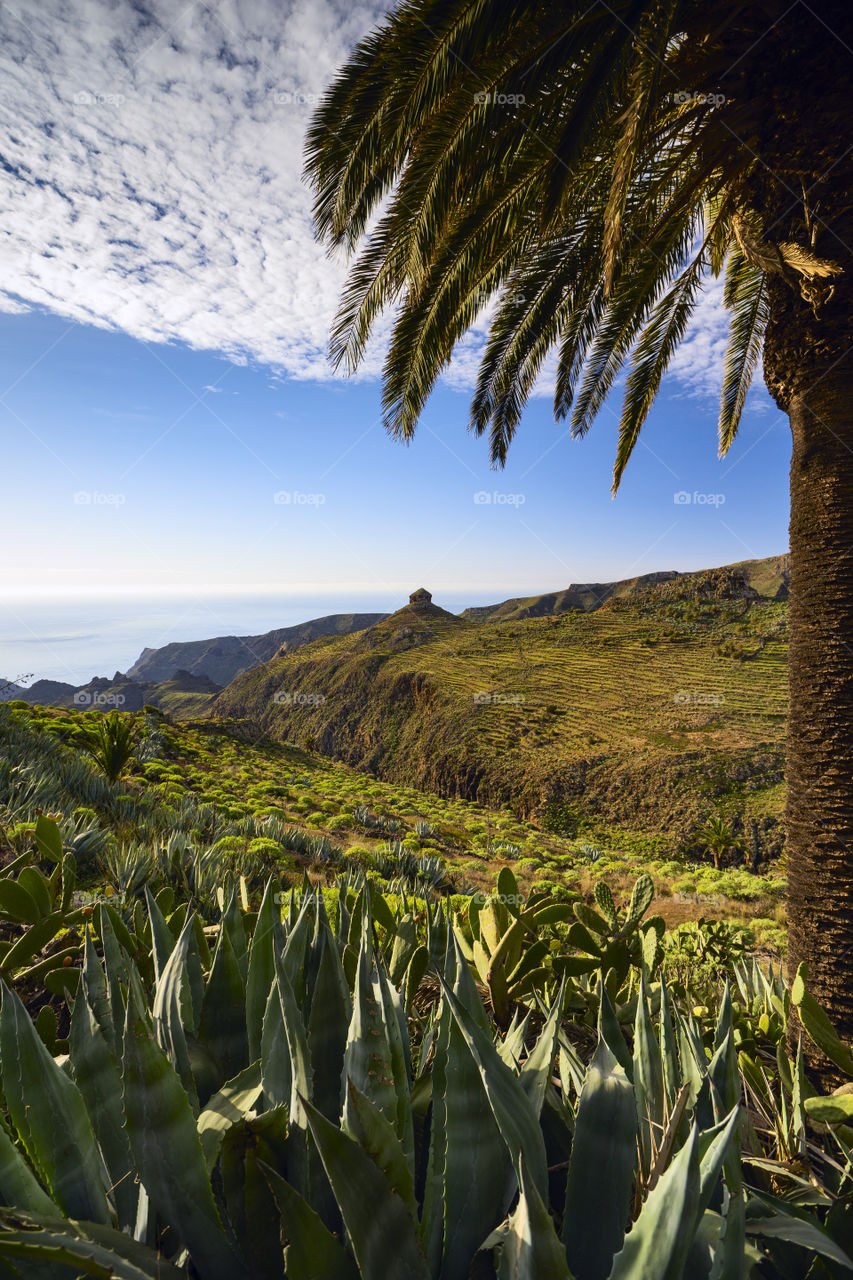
[654, 351]
[571, 214]
[746, 296]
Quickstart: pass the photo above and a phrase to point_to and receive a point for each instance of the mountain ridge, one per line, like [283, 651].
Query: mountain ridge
[224, 657]
[770, 573]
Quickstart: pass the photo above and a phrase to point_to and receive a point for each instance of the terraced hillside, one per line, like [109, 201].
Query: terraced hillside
[655, 709]
[264, 806]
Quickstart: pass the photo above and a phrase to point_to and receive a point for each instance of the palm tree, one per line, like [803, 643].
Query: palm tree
[719, 839]
[111, 743]
[584, 167]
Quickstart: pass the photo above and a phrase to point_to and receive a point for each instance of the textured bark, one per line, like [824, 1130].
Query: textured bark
[820, 724]
[784, 100]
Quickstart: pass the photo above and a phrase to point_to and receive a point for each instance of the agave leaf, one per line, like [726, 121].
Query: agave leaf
[724, 1017]
[276, 1069]
[602, 1168]
[572, 1068]
[476, 1179]
[261, 969]
[116, 970]
[648, 1079]
[436, 936]
[694, 1064]
[295, 950]
[18, 1184]
[300, 1168]
[88, 1248]
[168, 1154]
[252, 1208]
[367, 1059]
[415, 973]
[162, 938]
[611, 1033]
[94, 986]
[535, 1075]
[432, 1213]
[172, 1011]
[373, 1132]
[776, 1219]
[222, 1028]
[511, 1048]
[123, 935]
[532, 1250]
[514, 1115]
[405, 942]
[668, 1050]
[657, 1245]
[97, 1075]
[380, 1227]
[234, 1101]
[233, 926]
[38, 1093]
[311, 1252]
[397, 1040]
[458, 974]
[724, 1076]
[328, 1024]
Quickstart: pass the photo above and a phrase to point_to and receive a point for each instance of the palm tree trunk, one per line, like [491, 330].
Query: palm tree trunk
[819, 814]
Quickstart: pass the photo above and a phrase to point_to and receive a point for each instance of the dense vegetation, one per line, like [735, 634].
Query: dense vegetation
[655, 710]
[294, 1027]
[398, 1074]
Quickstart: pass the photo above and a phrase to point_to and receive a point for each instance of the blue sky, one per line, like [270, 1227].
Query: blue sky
[163, 322]
[133, 475]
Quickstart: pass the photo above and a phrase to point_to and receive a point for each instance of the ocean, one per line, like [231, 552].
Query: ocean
[76, 637]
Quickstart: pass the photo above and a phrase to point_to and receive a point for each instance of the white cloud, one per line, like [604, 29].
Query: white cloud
[150, 169]
[698, 361]
[697, 365]
[150, 180]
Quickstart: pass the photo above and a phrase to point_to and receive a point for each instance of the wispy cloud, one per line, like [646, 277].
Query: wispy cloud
[150, 179]
[150, 169]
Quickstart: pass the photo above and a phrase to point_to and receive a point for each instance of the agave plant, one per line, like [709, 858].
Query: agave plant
[258, 1111]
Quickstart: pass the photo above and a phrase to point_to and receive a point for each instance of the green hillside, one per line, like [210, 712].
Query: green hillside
[656, 709]
[767, 577]
[264, 805]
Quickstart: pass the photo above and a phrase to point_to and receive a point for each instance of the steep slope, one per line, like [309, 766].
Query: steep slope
[663, 699]
[224, 657]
